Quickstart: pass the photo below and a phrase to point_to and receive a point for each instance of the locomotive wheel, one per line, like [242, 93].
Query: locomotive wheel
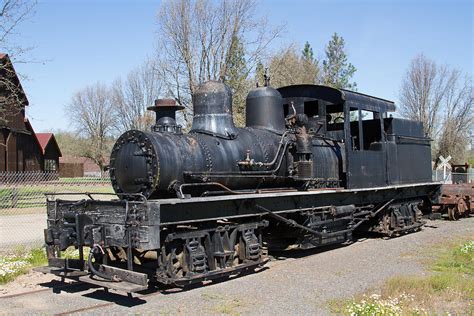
[457, 210]
[384, 225]
[453, 213]
[175, 259]
[461, 207]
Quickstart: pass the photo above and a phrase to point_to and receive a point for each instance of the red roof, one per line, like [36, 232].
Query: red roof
[2, 55]
[44, 139]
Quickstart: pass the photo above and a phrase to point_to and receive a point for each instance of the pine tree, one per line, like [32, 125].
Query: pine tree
[337, 71]
[236, 79]
[307, 53]
[259, 73]
[311, 69]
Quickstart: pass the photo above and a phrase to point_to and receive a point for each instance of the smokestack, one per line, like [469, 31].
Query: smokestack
[165, 111]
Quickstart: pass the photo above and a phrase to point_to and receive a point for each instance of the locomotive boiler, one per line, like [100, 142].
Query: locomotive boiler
[271, 151]
[312, 166]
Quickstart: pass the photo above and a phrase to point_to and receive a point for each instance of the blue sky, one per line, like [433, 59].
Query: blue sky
[82, 42]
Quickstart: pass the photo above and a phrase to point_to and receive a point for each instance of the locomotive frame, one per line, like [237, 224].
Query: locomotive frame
[212, 221]
[213, 231]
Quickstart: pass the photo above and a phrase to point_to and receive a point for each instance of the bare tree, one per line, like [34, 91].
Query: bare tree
[133, 95]
[458, 118]
[288, 68]
[91, 113]
[13, 13]
[440, 98]
[195, 39]
[422, 92]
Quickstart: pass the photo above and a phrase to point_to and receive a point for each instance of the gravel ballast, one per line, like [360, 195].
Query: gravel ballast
[301, 282]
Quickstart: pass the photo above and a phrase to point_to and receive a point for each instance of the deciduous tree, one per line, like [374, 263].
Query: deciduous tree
[422, 91]
[196, 38]
[442, 99]
[458, 118]
[69, 142]
[132, 95]
[13, 13]
[91, 113]
[289, 67]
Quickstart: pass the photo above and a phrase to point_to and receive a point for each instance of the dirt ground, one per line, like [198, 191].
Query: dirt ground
[24, 229]
[297, 282]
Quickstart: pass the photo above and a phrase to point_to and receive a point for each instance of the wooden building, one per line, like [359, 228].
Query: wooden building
[20, 148]
[50, 150]
[71, 166]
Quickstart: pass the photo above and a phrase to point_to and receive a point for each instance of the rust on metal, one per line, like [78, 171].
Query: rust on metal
[456, 200]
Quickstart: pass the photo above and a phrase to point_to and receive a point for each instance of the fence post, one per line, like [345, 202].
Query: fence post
[14, 198]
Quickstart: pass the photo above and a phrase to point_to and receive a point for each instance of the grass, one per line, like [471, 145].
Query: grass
[73, 253]
[14, 265]
[85, 180]
[223, 305]
[34, 195]
[22, 260]
[228, 307]
[448, 288]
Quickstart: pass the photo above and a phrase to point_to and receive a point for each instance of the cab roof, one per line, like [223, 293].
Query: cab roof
[338, 97]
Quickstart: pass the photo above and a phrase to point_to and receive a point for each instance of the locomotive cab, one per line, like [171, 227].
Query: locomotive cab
[379, 151]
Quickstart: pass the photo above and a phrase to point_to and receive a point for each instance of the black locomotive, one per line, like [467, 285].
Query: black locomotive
[313, 165]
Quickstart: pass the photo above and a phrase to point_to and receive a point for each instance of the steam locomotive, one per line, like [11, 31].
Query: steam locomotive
[312, 166]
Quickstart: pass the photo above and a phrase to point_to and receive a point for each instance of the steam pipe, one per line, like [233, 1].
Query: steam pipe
[271, 163]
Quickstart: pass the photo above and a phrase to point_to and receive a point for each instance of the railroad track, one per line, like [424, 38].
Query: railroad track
[90, 308]
[55, 288]
[120, 298]
[132, 300]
